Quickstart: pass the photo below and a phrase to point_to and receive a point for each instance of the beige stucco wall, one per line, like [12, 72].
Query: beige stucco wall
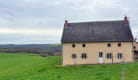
[92, 50]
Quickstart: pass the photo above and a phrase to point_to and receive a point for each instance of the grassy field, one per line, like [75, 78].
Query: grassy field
[32, 67]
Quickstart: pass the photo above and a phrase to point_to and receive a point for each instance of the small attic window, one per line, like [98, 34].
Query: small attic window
[119, 44]
[83, 45]
[134, 47]
[109, 44]
[73, 45]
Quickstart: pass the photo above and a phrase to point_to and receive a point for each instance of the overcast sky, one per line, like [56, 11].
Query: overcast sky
[41, 21]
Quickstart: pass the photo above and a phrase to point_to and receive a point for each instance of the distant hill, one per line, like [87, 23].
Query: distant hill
[31, 48]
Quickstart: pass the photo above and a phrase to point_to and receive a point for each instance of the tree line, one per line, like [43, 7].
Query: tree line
[43, 50]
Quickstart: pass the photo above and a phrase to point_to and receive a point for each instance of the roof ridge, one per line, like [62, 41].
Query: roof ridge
[96, 21]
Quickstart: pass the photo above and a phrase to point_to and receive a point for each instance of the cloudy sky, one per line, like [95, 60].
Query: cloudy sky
[41, 21]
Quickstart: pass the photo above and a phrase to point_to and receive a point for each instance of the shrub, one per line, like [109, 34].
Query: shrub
[43, 54]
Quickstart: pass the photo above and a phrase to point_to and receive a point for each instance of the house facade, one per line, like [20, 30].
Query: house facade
[97, 42]
[135, 51]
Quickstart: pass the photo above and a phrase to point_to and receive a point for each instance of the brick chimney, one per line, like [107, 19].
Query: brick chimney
[126, 21]
[66, 23]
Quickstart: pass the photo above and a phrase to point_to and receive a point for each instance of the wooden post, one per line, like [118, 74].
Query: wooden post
[123, 69]
[112, 59]
[123, 74]
[75, 61]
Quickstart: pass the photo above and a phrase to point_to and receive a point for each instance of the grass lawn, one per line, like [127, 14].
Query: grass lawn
[25, 66]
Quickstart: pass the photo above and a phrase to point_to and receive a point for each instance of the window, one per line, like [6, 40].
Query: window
[73, 45]
[134, 47]
[109, 45]
[74, 56]
[100, 54]
[83, 45]
[84, 55]
[119, 55]
[119, 45]
[109, 56]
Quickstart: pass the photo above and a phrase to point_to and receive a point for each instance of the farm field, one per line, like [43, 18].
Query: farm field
[23, 66]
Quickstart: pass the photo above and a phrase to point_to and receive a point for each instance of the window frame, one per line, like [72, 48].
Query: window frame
[84, 56]
[100, 54]
[109, 56]
[134, 47]
[74, 56]
[119, 44]
[109, 45]
[119, 55]
[83, 45]
[73, 45]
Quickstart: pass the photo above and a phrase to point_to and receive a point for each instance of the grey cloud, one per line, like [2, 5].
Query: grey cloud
[28, 39]
[45, 14]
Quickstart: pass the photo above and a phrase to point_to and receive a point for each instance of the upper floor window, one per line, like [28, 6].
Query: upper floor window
[119, 44]
[119, 55]
[109, 44]
[74, 56]
[84, 55]
[134, 47]
[109, 56]
[73, 45]
[83, 45]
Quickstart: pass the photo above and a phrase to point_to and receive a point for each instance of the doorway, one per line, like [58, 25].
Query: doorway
[101, 60]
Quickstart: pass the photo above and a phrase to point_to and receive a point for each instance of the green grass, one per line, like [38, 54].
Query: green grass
[25, 66]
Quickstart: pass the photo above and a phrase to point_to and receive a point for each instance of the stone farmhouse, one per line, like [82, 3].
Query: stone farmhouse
[98, 42]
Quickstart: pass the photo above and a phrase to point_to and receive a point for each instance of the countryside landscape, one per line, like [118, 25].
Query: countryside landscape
[33, 66]
[26, 66]
[68, 40]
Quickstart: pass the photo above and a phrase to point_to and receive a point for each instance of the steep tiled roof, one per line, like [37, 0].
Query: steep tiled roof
[100, 31]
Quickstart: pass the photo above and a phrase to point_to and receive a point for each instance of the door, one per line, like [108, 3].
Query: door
[101, 57]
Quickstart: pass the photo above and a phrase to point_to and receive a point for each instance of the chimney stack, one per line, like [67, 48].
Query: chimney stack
[126, 20]
[66, 23]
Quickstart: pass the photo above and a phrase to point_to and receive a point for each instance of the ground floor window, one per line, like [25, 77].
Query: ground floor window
[109, 56]
[84, 55]
[119, 55]
[74, 56]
